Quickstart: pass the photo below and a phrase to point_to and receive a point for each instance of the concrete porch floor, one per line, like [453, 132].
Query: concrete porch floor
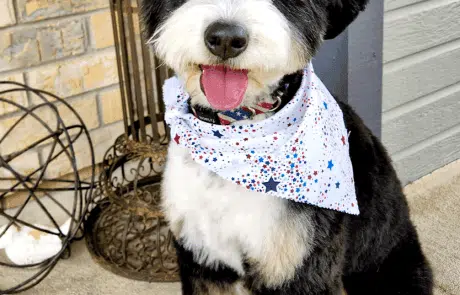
[435, 204]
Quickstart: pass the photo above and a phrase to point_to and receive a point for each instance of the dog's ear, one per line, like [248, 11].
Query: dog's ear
[151, 13]
[154, 12]
[341, 13]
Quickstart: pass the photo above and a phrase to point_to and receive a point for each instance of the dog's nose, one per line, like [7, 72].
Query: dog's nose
[226, 40]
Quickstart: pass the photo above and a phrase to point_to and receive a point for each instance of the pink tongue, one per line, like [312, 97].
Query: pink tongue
[224, 88]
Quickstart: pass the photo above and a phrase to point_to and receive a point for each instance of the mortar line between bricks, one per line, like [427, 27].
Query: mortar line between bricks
[100, 110]
[28, 94]
[90, 52]
[88, 33]
[70, 99]
[16, 12]
[52, 20]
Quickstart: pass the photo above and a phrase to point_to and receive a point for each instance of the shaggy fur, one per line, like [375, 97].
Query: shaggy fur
[234, 241]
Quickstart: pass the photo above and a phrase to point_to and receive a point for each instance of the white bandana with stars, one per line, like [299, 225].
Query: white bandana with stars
[301, 153]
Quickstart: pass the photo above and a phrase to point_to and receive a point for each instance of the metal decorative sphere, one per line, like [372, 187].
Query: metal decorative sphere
[42, 201]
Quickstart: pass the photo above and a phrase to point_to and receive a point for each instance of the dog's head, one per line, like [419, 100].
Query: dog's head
[235, 52]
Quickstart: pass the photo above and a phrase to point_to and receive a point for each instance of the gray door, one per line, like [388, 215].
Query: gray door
[351, 65]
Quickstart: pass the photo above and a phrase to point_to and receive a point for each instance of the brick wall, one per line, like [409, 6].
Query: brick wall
[65, 47]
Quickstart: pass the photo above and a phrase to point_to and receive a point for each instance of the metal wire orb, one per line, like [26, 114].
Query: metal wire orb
[53, 128]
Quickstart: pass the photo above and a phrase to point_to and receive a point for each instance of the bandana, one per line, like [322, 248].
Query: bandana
[301, 153]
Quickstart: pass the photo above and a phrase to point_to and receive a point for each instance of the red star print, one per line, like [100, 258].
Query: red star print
[343, 140]
[177, 139]
[294, 149]
[248, 156]
[246, 139]
[275, 138]
[309, 177]
[315, 173]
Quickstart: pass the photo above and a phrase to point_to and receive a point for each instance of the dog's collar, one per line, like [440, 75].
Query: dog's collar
[228, 117]
[280, 97]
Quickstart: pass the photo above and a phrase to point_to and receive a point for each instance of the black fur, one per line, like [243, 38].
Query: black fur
[154, 12]
[375, 253]
[191, 273]
[340, 14]
[331, 17]
[301, 13]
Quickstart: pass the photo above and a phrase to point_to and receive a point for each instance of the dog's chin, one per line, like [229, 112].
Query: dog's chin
[260, 85]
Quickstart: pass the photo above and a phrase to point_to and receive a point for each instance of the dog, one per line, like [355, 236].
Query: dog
[231, 240]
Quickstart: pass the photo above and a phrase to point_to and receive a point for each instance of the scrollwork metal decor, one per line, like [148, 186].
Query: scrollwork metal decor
[127, 233]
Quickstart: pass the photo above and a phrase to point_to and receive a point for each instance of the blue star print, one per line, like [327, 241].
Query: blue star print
[330, 165]
[325, 105]
[217, 134]
[337, 184]
[271, 185]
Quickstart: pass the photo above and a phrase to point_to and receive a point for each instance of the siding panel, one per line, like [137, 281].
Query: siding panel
[421, 123]
[421, 78]
[429, 159]
[421, 85]
[394, 4]
[410, 33]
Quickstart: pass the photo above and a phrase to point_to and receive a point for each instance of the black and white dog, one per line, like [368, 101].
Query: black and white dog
[231, 240]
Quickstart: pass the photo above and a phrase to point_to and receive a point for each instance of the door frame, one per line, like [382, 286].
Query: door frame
[351, 65]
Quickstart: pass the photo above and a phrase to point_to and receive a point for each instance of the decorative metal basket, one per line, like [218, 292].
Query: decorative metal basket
[127, 232]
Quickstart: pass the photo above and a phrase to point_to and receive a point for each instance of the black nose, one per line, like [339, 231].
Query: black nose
[226, 40]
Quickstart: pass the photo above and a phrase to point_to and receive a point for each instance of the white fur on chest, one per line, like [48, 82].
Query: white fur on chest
[222, 222]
